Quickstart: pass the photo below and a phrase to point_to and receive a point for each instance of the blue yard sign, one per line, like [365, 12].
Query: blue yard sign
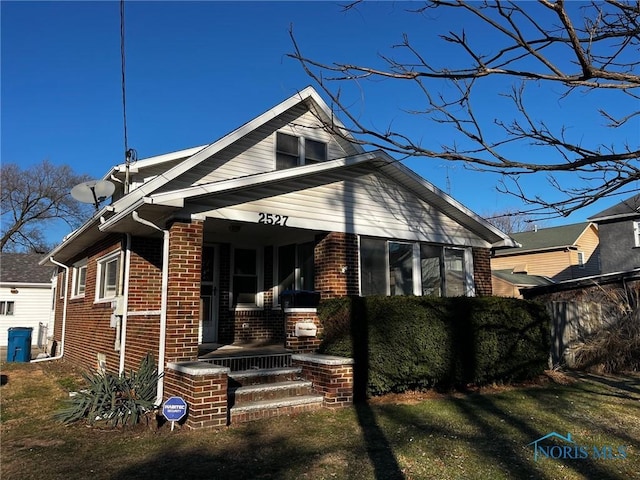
[174, 409]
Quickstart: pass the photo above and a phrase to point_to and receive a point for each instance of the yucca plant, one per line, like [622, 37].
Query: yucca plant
[114, 399]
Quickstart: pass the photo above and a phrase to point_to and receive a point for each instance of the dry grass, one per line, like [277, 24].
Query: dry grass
[482, 434]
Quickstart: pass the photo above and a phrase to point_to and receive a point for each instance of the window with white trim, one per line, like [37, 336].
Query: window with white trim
[295, 267]
[636, 233]
[7, 307]
[412, 268]
[246, 278]
[108, 279]
[292, 151]
[581, 260]
[79, 281]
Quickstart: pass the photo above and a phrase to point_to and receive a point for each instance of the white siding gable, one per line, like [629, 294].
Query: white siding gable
[255, 152]
[367, 204]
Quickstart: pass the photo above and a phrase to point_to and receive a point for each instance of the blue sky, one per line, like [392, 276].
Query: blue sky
[197, 70]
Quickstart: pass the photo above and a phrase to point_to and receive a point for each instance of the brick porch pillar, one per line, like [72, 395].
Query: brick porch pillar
[183, 302]
[336, 265]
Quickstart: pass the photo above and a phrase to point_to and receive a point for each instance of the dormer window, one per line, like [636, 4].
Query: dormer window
[292, 151]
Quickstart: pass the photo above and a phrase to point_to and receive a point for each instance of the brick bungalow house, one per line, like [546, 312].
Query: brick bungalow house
[191, 263]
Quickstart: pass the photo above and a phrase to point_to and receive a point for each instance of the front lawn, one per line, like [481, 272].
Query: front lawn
[476, 435]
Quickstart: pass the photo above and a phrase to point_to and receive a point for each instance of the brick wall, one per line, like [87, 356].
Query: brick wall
[482, 271]
[333, 252]
[331, 376]
[204, 388]
[302, 344]
[145, 278]
[183, 297]
[88, 329]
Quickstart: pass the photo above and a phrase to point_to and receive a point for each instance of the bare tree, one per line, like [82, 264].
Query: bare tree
[589, 50]
[512, 221]
[33, 200]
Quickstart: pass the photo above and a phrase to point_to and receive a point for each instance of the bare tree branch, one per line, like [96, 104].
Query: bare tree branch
[593, 50]
[34, 199]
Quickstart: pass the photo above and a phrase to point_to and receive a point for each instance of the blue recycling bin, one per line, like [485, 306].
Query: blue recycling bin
[19, 347]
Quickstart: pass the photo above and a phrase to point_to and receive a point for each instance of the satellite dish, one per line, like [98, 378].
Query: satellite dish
[93, 191]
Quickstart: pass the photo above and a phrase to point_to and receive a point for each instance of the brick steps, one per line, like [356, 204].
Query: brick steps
[264, 375]
[265, 393]
[275, 408]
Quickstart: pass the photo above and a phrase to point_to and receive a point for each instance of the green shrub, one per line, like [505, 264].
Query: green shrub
[114, 399]
[402, 343]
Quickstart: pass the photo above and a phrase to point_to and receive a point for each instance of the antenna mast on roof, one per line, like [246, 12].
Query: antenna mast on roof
[130, 155]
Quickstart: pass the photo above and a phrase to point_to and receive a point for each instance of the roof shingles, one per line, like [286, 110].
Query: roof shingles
[23, 268]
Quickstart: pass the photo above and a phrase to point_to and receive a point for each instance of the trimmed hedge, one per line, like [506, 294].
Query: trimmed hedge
[403, 343]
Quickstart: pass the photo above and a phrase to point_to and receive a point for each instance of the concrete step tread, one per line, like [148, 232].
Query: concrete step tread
[264, 372]
[264, 387]
[279, 403]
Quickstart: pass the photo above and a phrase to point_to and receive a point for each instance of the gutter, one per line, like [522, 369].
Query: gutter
[163, 302]
[64, 313]
[125, 294]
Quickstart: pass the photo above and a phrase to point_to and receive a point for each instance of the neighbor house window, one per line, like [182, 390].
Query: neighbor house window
[79, 282]
[246, 277]
[108, 280]
[581, 261]
[636, 233]
[411, 268]
[295, 267]
[6, 308]
[292, 151]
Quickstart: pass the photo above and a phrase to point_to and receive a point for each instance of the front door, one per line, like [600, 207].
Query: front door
[209, 294]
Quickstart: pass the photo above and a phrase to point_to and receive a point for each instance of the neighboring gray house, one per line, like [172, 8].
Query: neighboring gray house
[26, 296]
[619, 228]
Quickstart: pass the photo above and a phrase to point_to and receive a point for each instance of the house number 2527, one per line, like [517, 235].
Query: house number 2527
[273, 219]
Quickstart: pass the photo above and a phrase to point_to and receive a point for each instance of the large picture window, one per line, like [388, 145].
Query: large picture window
[108, 281]
[411, 268]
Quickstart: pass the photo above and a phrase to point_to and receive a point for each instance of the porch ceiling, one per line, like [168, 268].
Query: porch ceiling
[234, 232]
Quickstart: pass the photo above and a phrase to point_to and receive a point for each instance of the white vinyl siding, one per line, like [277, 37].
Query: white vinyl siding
[31, 308]
[368, 205]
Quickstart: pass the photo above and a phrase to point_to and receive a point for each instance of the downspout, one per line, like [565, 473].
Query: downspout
[64, 313]
[163, 301]
[125, 300]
